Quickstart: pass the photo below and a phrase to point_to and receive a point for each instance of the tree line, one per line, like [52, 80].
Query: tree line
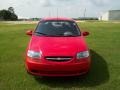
[8, 15]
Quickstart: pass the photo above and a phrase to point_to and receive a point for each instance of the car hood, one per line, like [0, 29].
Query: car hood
[58, 46]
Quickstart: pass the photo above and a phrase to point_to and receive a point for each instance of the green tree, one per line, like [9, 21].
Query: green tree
[5, 15]
[11, 9]
[8, 14]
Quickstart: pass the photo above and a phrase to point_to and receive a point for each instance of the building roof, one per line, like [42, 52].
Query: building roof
[114, 10]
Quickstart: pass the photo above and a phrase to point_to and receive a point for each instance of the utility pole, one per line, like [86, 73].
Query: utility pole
[57, 12]
[84, 13]
[49, 13]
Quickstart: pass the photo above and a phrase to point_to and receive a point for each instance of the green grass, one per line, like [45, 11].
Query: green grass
[104, 42]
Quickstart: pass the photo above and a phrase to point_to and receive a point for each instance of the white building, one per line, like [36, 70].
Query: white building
[111, 15]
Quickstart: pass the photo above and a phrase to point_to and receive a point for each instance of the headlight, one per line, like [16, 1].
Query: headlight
[33, 54]
[82, 54]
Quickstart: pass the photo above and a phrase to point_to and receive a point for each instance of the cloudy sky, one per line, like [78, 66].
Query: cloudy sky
[65, 8]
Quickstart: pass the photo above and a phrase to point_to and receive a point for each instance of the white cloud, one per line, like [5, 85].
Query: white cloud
[99, 2]
[45, 3]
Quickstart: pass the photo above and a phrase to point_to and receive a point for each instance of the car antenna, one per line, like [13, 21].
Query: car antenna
[49, 13]
[57, 13]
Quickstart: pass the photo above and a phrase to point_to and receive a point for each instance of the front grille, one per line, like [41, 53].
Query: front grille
[58, 58]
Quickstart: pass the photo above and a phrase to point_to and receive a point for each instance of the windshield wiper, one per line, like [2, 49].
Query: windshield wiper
[47, 34]
[69, 35]
[42, 33]
[59, 35]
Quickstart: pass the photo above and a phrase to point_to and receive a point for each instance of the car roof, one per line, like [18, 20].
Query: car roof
[56, 18]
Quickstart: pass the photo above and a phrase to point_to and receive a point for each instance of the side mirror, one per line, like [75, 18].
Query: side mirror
[29, 32]
[85, 33]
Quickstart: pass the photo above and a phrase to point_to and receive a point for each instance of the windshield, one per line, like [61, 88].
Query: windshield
[57, 28]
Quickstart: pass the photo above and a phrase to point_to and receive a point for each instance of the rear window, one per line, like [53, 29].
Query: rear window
[57, 28]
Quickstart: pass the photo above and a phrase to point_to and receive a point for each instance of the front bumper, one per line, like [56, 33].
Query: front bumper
[58, 69]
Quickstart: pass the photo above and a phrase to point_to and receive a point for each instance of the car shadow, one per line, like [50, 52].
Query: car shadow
[98, 75]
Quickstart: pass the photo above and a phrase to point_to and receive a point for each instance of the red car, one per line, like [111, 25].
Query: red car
[57, 48]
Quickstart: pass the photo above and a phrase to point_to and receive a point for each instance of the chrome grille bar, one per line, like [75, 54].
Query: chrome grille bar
[58, 59]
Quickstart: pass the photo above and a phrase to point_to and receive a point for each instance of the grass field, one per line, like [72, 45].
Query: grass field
[104, 42]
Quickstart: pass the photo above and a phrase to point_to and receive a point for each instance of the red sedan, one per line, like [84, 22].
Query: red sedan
[57, 48]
